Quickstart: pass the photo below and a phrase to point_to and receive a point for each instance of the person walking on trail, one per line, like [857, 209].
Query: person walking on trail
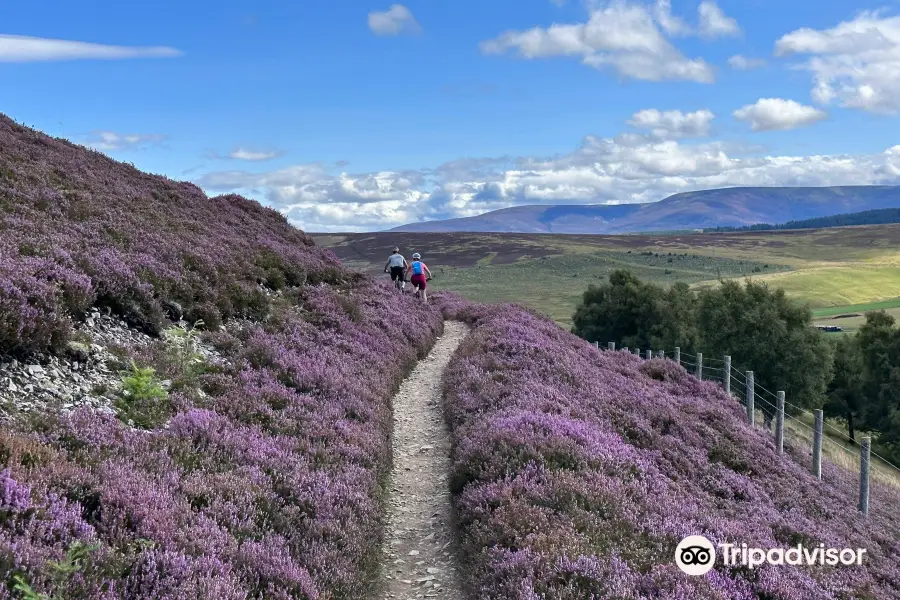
[398, 265]
[420, 275]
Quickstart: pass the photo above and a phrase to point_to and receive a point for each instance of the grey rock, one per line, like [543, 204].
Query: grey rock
[78, 351]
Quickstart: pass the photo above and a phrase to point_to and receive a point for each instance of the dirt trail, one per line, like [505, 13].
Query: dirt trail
[419, 559]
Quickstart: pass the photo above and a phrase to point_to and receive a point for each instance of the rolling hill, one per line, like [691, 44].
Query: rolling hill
[730, 207]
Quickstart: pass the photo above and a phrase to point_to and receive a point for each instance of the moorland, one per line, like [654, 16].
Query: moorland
[836, 271]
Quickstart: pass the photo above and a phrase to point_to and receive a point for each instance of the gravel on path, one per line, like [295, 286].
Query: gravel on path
[419, 559]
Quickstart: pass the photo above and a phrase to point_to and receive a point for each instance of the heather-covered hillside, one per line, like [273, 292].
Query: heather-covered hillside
[78, 229]
[576, 473]
[258, 475]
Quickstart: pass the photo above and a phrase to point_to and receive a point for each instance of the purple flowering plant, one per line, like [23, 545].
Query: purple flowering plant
[576, 472]
[263, 481]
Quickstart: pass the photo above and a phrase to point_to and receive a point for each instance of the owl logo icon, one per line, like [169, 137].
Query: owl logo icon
[695, 555]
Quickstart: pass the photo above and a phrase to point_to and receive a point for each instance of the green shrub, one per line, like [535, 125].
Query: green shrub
[143, 400]
[182, 349]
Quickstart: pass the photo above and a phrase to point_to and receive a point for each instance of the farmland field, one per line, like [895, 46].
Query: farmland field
[850, 318]
[827, 268]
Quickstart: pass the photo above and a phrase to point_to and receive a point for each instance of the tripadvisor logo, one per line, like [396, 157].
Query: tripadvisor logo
[696, 555]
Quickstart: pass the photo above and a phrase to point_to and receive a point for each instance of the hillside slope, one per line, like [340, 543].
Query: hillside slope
[255, 475]
[577, 472]
[731, 207]
[79, 229]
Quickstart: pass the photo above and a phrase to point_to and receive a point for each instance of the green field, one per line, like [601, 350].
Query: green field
[851, 318]
[835, 271]
[856, 308]
[555, 284]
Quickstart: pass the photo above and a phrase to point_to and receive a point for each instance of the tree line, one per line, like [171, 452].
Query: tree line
[880, 216]
[852, 378]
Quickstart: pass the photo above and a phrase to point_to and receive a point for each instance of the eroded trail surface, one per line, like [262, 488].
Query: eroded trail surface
[420, 562]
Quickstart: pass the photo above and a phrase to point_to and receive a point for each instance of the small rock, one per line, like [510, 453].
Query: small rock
[78, 351]
[34, 369]
[413, 553]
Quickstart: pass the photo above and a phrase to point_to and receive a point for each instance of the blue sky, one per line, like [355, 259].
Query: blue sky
[369, 114]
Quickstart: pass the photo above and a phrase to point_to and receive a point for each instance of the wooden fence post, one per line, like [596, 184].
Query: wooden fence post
[662, 354]
[596, 344]
[624, 348]
[649, 354]
[611, 346]
[700, 365]
[727, 381]
[817, 445]
[779, 423]
[864, 460]
[678, 354]
[751, 398]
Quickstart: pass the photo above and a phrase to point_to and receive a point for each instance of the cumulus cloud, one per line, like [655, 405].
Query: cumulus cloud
[856, 63]
[623, 169]
[626, 38]
[714, 23]
[20, 48]
[112, 141]
[673, 124]
[769, 114]
[739, 62]
[394, 21]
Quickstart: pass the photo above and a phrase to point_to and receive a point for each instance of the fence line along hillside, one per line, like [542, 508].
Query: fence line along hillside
[773, 412]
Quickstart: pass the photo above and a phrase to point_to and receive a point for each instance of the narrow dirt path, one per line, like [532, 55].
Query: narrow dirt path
[419, 560]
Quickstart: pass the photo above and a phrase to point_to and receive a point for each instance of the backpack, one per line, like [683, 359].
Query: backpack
[417, 267]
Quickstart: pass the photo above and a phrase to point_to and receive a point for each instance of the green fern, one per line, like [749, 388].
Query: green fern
[143, 400]
[182, 348]
[60, 573]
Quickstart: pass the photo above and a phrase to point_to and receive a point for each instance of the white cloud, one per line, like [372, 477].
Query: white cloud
[667, 21]
[739, 62]
[769, 114]
[253, 155]
[714, 23]
[112, 141]
[624, 37]
[394, 21]
[856, 63]
[627, 168]
[18, 48]
[673, 124]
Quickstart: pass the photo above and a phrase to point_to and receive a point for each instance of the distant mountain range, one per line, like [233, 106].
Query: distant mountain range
[730, 207]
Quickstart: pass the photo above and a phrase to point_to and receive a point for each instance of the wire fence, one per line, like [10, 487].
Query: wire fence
[772, 411]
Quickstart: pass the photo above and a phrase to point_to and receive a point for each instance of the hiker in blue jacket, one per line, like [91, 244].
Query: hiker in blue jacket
[420, 276]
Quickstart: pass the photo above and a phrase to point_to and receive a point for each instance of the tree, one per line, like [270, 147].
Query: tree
[765, 332]
[844, 396]
[635, 314]
[879, 343]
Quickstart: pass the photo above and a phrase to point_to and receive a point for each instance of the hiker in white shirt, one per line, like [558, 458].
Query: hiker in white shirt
[398, 266]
